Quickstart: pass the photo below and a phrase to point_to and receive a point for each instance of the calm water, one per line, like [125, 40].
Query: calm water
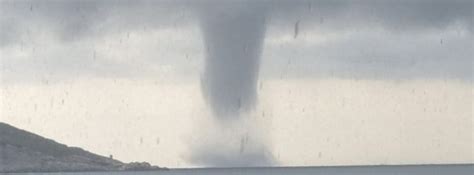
[385, 170]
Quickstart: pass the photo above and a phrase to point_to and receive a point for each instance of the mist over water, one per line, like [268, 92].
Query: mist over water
[232, 144]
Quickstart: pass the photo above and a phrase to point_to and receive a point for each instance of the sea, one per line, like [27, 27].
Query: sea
[465, 169]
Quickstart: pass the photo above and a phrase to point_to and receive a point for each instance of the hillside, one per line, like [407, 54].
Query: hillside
[22, 151]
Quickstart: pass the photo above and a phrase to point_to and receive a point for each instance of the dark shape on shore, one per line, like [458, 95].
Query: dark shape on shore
[22, 151]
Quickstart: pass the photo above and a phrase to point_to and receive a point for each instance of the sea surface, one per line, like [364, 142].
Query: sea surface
[467, 169]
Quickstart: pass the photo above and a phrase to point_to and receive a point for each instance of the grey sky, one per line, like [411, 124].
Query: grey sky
[374, 39]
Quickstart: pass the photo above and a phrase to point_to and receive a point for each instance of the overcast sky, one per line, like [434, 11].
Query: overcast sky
[366, 39]
[341, 82]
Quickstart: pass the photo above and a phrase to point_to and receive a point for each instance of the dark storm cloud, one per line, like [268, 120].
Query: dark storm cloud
[394, 15]
[421, 39]
[70, 21]
[76, 19]
[80, 18]
[375, 54]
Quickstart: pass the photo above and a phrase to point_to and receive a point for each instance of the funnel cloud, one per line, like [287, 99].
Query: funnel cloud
[233, 37]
